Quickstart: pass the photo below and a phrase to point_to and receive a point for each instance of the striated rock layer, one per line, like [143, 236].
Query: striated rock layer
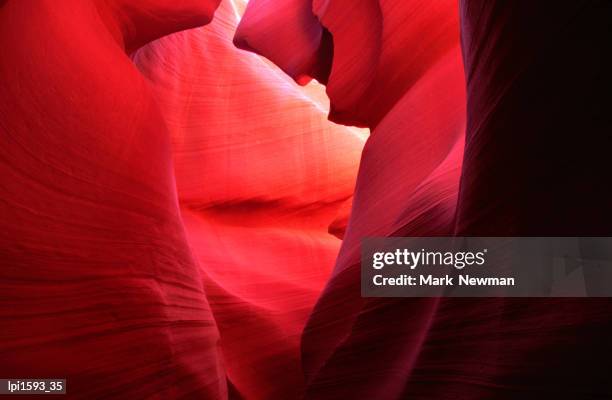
[164, 225]
[97, 280]
[404, 79]
[170, 210]
[261, 174]
[535, 130]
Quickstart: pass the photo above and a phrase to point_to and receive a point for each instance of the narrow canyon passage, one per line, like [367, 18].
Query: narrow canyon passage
[186, 186]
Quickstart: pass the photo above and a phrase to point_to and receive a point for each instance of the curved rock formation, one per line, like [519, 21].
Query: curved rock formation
[260, 176]
[405, 81]
[97, 280]
[396, 68]
[164, 225]
[170, 210]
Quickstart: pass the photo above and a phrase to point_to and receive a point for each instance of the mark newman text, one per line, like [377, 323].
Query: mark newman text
[430, 280]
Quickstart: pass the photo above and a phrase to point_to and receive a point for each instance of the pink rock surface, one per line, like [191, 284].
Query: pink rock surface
[171, 207]
[98, 282]
[261, 174]
[397, 69]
